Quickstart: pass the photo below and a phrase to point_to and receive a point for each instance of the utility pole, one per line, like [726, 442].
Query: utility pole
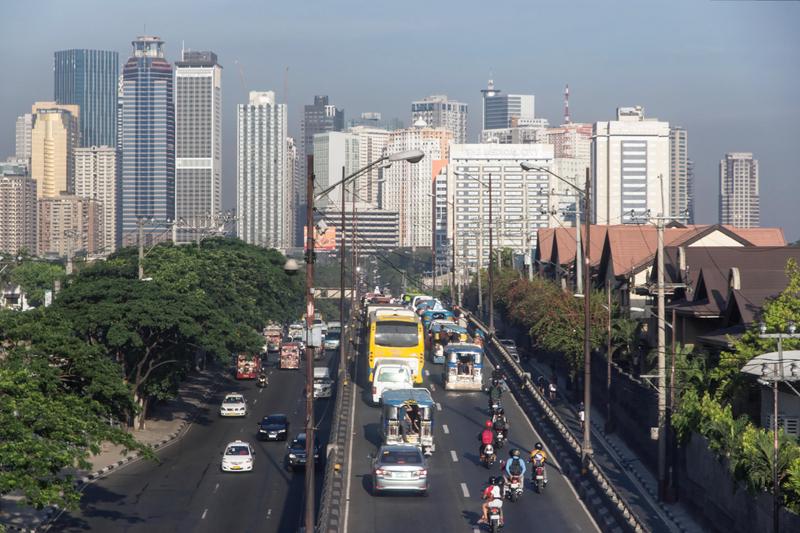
[578, 249]
[587, 325]
[453, 260]
[433, 233]
[310, 523]
[353, 249]
[70, 234]
[140, 241]
[342, 276]
[491, 257]
[609, 423]
[662, 371]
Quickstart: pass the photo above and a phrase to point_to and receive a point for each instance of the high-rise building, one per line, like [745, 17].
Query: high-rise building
[319, 117]
[291, 199]
[334, 151]
[376, 230]
[440, 112]
[68, 224]
[630, 166]
[96, 169]
[408, 186]
[260, 171]
[88, 79]
[505, 110]
[148, 142]
[23, 130]
[54, 137]
[17, 214]
[738, 190]
[680, 187]
[519, 198]
[198, 127]
[372, 119]
[371, 146]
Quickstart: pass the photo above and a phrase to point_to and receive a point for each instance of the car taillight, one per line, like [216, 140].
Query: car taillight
[380, 472]
[374, 390]
[422, 472]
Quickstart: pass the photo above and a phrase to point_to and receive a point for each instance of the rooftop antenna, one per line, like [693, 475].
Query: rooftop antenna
[183, 49]
[285, 84]
[566, 105]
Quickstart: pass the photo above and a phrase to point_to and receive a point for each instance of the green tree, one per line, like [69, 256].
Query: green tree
[35, 277]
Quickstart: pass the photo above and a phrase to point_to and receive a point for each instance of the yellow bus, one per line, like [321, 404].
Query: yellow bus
[395, 335]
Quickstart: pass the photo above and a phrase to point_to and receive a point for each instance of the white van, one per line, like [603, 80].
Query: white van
[323, 384]
[390, 376]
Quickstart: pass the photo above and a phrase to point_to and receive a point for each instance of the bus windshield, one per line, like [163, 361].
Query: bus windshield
[396, 334]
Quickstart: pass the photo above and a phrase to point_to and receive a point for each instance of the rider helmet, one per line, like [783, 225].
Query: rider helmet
[514, 453]
[538, 446]
[500, 411]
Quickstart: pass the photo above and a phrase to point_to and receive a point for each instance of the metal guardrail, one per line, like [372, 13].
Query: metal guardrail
[621, 507]
[331, 502]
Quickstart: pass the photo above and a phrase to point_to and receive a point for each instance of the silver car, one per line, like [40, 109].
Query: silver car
[399, 467]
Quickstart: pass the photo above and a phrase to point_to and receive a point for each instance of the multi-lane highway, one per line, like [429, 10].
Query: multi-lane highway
[456, 475]
[186, 491]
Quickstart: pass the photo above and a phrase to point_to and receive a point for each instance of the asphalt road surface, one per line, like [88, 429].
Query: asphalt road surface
[456, 476]
[187, 491]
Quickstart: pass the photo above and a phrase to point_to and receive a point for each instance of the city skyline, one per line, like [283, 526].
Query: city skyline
[699, 84]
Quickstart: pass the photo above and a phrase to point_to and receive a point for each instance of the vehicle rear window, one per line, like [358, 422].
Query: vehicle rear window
[393, 375]
[401, 458]
[237, 450]
[396, 334]
[234, 399]
[332, 336]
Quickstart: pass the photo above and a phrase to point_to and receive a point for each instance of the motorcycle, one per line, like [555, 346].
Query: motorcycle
[262, 381]
[513, 489]
[494, 407]
[488, 458]
[538, 478]
[494, 520]
[499, 439]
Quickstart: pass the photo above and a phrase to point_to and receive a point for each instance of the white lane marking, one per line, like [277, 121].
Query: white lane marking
[215, 488]
[476, 530]
[269, 514]
[445, 429]
[350, 447]
[205, 511]
[465, 490]
[425, 371]
[453, 456]
[433, 387]
[259, 391]
[438, 406]
[254, 401]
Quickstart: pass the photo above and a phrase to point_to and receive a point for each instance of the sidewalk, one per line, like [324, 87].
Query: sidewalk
[619, 462]
[168, 422]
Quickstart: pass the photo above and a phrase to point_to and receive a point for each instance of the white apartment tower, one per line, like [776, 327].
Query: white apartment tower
[260, 171]
[438, 111]
[680, 175]
[198, 136]
[334, 151]
[23, 129]
[408, 186]
[291, 197]
[371, 147]
[630, 166]
[96, 171]
[738, 190]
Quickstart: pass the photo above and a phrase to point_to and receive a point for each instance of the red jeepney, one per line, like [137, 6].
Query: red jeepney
[247, 366]
[290, 355]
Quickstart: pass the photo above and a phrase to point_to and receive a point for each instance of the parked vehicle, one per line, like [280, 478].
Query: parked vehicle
[239, 456]
[464, 367]
[290, 355]
[399, 467]
[407, 418]
[247, 365]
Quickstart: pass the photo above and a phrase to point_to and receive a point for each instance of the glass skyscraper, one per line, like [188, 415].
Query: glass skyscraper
[148, 142]
[88, 78]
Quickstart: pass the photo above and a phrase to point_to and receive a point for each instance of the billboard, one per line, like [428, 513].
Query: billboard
[324, 241]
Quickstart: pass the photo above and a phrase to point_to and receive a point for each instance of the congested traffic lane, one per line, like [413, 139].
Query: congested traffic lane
[456, 476]
[186, 491]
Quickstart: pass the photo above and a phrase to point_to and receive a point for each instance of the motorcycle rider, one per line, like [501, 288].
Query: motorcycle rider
[493, 497]
[262, 380]
[515, 466]
[538, 458]
[495, 393]
[500, 423]
[486, 437]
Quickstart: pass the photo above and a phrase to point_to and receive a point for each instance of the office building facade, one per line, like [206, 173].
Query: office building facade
[54, 137]
[438, 111]
[505, 110]
[17, 214]
[680, 176]
[630, 168]
[519, 198]
[148, 141]
[739, 203]
[96, 171]
[88, 79]
[376, 230]
[260, 171]
[198, 137]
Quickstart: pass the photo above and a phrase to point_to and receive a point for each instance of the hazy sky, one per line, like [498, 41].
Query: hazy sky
[728, 71]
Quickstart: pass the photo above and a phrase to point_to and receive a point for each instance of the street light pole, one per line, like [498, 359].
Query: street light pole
[310, 522]
[342, 245]
[433, 233]
[491, 257]
[587, 325]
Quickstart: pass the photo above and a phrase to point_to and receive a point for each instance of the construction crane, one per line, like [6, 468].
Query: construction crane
[241, 75]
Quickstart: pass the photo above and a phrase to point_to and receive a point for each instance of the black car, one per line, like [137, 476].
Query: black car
[511, 348]
[273, 427]
[296, 452]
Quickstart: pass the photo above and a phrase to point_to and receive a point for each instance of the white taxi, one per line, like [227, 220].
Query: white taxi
[233, 404]
[239, 456]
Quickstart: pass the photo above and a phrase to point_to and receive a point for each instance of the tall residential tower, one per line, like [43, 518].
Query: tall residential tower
[440, 112]
[148, 142]
[54, 137]
[738, 190]
[198, 127]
